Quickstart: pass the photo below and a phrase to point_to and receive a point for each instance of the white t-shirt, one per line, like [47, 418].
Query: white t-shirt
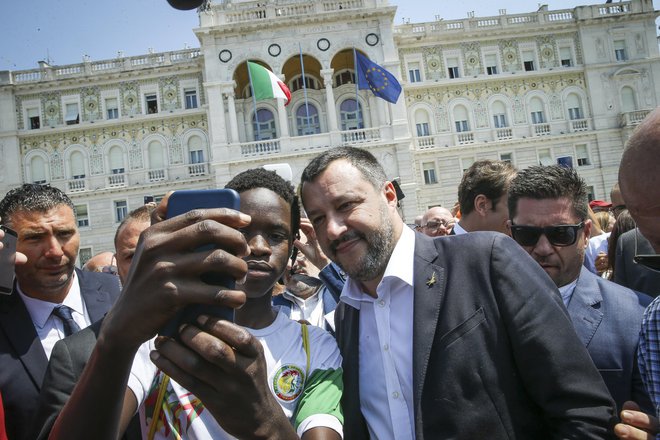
[308, 398]
[596, 245]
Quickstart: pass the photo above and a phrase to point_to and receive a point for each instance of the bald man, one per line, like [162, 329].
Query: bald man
[437, 222]
[639, 182]
[102, 262]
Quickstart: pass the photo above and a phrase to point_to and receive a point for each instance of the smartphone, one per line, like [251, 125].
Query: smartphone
[179, 203]
[7, 260]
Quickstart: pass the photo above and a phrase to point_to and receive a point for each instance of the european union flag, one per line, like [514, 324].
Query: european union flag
[375, 78]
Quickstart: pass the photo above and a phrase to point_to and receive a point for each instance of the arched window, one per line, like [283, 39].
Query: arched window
[344, 77]
[38, 169]
[536, 111]
[116, 159]
[628, 101]
[307, 120]
[422, 123]
[499, 115]
[297, 83]
[77, 162]
[461, 120]
[156, 157]
[196, 149]
[266, 127]
[574, 107]
[350, 113]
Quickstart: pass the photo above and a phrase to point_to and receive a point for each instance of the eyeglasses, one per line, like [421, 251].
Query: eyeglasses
[433, 225]
[108, 269]
[559, 235]
[650, 261]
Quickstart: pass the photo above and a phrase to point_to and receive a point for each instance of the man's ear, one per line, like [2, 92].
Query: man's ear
[390, 193]
[482, 205]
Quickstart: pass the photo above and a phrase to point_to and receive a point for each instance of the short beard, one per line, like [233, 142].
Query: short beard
[380, 244]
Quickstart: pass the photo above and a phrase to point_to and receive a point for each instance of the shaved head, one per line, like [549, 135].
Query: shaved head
[639, 179]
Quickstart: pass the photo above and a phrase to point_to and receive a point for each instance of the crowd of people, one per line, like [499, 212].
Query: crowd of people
[524, 311]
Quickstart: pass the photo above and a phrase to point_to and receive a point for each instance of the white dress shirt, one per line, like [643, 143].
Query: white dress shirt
[310, 309]
[386, 334]
[458, 229]
[566, 292]
[50, 328]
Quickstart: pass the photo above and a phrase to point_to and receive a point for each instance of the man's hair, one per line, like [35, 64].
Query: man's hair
[32, 197]
[615, 189]
[488, 177]
[141, 214]
[549, 182]
[262, 178]
[361, 159]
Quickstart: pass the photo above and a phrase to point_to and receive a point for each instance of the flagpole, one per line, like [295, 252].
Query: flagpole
[357, 101]
[254, 101]
[302, 67]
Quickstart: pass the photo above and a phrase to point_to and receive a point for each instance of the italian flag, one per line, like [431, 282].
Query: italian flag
[265, 85]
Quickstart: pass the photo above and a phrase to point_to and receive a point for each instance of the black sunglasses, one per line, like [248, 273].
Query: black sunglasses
[650, 261]
[559, 235]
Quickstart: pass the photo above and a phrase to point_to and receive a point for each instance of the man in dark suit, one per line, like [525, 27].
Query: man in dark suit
[455, 337]
[70, 355]
[51, 298]
[630, 274]
[549, 218]
[482, 197]
[640, 187]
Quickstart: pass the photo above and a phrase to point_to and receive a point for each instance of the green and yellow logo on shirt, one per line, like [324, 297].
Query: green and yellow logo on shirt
[288, 382]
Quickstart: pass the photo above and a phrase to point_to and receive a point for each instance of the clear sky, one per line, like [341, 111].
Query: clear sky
[65, 30]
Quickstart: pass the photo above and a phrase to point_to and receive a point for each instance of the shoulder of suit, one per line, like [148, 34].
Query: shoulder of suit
[105, 279]
[623, 296]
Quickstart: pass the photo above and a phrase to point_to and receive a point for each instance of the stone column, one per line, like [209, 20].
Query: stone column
[217, 127]
[228, 91]
[281, 113]
[330, 99]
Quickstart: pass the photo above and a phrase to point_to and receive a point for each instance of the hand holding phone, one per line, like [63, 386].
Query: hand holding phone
[7, 260]
[179, 203]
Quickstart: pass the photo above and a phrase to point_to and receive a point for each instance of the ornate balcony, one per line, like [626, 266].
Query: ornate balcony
[156, 175]
[633, 118]
[116, 181]
[76, 185]
[542, 129]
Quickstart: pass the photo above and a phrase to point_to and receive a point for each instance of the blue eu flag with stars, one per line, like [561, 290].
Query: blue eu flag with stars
[375, 78]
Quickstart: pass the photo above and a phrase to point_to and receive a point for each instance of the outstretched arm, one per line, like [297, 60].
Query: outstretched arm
[165, 276]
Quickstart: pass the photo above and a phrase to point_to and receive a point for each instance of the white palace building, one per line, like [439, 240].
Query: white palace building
[541, 87]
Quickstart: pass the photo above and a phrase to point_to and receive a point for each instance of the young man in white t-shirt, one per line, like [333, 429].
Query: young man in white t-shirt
[252, 380]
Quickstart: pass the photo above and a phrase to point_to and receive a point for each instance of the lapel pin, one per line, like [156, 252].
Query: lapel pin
[431, 281]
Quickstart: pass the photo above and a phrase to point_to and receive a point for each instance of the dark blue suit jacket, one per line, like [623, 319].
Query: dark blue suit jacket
[630, 274]
[494, 352]
[607, 318]
[23, 360]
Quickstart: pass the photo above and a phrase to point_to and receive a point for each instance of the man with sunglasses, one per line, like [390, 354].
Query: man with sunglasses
[548, 210]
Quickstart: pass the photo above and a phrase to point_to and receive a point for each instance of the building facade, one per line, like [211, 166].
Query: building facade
[543, 87]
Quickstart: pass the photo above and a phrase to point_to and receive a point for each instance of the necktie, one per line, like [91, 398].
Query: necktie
[64, 313]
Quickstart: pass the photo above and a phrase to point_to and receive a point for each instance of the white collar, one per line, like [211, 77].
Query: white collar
[399, 266]
[40, 310]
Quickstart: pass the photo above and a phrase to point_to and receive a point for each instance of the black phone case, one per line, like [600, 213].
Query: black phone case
[179, 203]
[7, 258]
